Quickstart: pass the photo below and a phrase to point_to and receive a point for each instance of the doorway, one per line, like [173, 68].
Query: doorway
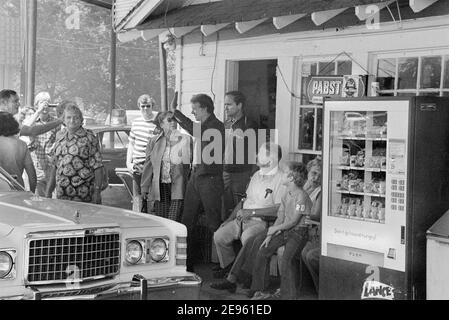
[256, 79]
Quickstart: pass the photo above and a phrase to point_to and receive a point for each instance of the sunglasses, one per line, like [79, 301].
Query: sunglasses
[143, 106]
[170, 119]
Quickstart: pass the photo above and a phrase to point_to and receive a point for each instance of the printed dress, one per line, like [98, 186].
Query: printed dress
[76, 157]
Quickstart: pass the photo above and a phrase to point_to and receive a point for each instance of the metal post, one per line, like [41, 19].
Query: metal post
[31, 53]
[113, 71]
[163, 75]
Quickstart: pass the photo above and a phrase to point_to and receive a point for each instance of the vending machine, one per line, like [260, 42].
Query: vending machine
[385, 182]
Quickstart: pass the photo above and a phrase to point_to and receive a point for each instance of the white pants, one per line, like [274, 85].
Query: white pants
[225, 236]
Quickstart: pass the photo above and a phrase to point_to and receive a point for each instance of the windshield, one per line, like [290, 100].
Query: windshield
[8, 183]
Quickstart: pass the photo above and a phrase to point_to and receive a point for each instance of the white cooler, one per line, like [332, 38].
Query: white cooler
[437, 284]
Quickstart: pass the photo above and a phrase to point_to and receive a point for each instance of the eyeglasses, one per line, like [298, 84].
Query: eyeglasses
[170, 119]
[143, 106]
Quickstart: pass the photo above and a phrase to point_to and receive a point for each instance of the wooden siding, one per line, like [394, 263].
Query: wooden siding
[195, 70]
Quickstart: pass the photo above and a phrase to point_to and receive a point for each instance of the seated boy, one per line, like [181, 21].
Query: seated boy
[290, 230]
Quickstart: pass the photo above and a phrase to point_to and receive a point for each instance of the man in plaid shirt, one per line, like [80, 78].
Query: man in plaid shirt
[42, 144]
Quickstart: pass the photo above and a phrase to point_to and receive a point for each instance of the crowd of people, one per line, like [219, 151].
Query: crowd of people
[182, 169]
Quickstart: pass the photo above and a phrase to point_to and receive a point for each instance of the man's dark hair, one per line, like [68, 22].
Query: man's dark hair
[204, 101]
[5, 95]
[298, 171]
[9, 126]
[238, 97]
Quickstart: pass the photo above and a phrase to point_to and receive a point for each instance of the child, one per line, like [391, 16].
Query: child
[14, 153]
[290, 230]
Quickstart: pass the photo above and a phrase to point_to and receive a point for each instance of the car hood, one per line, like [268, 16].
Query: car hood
[25, 210]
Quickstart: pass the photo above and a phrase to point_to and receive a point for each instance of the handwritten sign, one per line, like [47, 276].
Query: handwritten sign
[377, 290]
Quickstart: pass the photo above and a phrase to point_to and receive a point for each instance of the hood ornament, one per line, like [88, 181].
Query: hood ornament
[77, 217]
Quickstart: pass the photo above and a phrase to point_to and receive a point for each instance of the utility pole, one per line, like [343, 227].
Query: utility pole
[31, 53]
[113, 69]
[163, 74]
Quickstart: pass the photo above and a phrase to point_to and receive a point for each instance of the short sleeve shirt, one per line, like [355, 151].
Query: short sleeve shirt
[265, 190]
[76, 158]
[141, 132]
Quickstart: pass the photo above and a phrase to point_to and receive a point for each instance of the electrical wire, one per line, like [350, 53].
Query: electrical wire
[215, 64]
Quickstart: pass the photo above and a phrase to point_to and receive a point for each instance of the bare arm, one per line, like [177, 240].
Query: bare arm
[51, 183]
[97, 185]
[31, 172]
[262, 212]
[129, 157]
[39, 129]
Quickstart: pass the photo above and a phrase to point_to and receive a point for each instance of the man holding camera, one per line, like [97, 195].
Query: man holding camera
[43, 143]
[142, 130]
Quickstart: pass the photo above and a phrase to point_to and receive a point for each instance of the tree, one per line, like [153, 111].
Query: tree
[73, 56]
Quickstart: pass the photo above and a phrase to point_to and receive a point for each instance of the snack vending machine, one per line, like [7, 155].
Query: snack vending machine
[385, 182]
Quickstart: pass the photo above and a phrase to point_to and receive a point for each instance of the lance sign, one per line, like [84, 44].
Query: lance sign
[319, 87]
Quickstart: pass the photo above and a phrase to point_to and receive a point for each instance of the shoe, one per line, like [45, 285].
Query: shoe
[276, 295]
[222, 273]
[224, 285]
[250, 293]
[259, 295]
[216, 267]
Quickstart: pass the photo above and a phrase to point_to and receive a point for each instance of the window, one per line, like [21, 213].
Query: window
[308, 117]
[415, 74]
[114, 140]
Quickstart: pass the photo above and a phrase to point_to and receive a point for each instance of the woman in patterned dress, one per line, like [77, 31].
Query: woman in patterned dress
[77, 163]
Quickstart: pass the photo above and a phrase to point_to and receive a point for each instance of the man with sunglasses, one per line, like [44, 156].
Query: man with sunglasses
[142, 130]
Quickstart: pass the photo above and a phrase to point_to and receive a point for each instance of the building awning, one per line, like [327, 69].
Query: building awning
[154, 17]
[100, 3]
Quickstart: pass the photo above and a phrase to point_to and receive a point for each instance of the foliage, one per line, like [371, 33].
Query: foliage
[74, 62]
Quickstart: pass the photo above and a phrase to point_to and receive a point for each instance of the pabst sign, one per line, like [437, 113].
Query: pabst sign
[334, 86]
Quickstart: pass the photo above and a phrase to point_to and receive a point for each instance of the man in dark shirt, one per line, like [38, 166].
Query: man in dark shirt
[205, 186]
[10, 102]
[240, 150]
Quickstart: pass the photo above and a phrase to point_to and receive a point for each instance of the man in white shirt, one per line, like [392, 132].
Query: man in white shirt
[263, 197]
[142, 130]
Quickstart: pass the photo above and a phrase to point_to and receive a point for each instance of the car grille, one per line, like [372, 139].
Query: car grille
[73, 258]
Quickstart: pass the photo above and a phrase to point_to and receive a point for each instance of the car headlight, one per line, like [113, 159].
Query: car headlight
[134, 252]
[6, 264]
[158, 250]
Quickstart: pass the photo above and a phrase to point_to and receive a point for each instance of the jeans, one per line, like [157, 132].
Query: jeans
[311, 257]
[294, 241]
[204, 191]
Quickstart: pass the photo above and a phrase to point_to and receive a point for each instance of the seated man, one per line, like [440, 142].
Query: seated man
[263, 197]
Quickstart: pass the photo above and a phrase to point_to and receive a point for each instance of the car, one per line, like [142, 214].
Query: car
[59, 249]
[113, 147]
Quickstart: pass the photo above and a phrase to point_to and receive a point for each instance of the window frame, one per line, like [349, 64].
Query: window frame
[297, 107]
[420, 54]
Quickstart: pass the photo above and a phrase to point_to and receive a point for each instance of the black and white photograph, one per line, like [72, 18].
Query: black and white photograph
[236, 151]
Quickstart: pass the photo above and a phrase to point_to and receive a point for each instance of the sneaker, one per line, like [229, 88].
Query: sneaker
[224, 285]
[259, 295]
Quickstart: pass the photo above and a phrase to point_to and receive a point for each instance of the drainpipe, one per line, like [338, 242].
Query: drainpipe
[163, 74]
[31, 54]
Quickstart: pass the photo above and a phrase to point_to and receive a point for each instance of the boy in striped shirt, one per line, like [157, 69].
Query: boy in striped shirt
[142, 129]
